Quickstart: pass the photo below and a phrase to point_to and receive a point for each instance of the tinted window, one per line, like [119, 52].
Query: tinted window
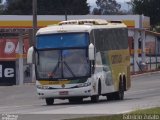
[63, 40]
[110, 39]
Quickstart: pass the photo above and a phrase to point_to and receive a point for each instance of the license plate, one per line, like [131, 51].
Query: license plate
[63, 93]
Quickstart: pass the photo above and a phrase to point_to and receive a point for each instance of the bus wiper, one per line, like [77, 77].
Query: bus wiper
[57, 66]
[69, 69]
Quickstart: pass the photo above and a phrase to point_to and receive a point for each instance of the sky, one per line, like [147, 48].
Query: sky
[2, 1]
[92, 3]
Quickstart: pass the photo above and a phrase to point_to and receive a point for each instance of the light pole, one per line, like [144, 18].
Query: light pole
[65, 14]
[34, 7]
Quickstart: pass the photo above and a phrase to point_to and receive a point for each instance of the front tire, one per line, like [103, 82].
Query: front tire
[49, 101]
[95, 98]
[117, 95]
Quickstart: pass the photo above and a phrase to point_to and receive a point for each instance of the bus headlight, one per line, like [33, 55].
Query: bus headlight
[84, 84]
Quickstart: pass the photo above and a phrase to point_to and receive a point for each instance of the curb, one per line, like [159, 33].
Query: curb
[143, 74]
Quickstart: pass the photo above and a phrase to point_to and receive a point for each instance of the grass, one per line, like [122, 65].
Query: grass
[146, 114]
[148, 111]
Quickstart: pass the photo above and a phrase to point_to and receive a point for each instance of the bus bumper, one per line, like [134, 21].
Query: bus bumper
[64, 93]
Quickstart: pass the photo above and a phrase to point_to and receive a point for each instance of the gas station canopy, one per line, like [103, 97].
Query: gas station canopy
[25, 21]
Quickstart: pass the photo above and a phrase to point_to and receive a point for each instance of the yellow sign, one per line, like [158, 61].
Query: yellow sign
[139, 51]
[25, 24]
[129, 23]
[43, 23]
[21, 56]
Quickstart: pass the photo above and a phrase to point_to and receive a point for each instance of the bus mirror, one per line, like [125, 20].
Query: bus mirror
[91, 52]
[30, 55]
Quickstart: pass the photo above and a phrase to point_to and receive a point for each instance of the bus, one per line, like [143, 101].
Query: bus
[77, 59]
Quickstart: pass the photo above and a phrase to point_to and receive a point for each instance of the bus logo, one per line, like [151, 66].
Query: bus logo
[116, 59]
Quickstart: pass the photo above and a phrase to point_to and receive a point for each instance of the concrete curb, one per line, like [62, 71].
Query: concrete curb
[143, 74]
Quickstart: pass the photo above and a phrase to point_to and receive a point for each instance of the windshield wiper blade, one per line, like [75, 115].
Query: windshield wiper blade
[57, 66]
[69, 69]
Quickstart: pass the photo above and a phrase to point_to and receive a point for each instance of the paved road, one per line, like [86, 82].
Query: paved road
[144, 93]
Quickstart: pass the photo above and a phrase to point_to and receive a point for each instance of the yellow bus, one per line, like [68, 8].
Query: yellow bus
[77, 59]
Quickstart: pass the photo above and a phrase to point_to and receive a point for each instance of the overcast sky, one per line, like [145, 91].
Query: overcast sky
[93, 1]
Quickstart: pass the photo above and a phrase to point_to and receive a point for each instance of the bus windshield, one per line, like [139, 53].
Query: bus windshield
[62, 64]
[62, 55]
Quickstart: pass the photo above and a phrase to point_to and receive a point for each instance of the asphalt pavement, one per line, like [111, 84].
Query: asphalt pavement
[23, 101]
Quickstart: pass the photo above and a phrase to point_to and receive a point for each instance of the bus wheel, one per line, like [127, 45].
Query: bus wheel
[49, 101]
[120, 94]
[95, 98]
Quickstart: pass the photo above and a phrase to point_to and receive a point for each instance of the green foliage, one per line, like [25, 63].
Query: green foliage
[149, 8]
[49, 7]
[155, 110]
[107, 7]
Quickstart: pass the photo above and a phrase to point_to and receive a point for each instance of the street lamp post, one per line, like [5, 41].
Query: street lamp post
[34, 7]
[66, 14]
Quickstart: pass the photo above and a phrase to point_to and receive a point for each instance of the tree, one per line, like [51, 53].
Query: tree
[49, 7]
[2, 6]
[18, 7]
[75, 7]
[107, 7]
[149, 8]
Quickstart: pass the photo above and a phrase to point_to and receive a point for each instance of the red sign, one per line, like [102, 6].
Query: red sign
[10, 46]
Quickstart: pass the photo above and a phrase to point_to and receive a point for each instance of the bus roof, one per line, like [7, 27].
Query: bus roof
[85, 25]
